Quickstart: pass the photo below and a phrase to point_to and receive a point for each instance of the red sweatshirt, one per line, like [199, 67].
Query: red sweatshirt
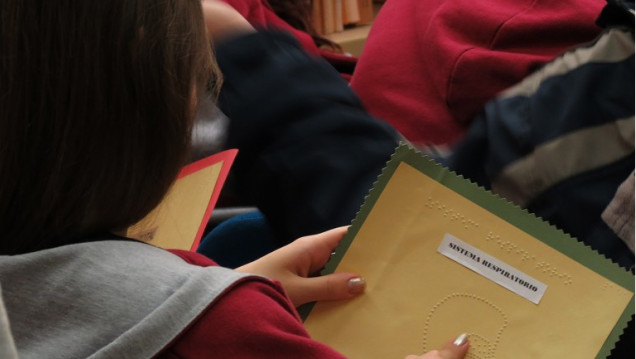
[429, 66]
[252, 319]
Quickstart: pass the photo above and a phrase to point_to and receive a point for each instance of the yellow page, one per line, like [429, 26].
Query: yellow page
[179, 220]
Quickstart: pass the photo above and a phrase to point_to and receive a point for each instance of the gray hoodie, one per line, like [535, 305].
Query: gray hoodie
[104, 299]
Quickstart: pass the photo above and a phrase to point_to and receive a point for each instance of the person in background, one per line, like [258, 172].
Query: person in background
[293, 16]
[298, 14]
[428, 67]
[96, 111]
[307, 162]
[560, 144]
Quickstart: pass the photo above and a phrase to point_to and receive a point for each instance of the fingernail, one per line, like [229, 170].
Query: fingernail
[356, 285]
[460, 340]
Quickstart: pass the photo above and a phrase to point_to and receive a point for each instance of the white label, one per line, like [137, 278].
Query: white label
[492, 268]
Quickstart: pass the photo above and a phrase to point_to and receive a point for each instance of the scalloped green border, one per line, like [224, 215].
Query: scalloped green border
[500, 207]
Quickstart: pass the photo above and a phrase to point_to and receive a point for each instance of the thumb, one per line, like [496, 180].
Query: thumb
[456, 349]
[336, 286]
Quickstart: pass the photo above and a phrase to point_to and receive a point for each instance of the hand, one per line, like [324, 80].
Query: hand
[223, 21]
[293, 264]
[456, 349]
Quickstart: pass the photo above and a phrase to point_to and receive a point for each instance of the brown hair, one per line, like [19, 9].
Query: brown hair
[95, 112]
[298, 14]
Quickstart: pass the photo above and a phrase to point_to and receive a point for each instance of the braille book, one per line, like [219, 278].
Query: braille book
[442, 256]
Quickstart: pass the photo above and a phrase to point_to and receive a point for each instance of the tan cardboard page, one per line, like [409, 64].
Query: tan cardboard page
[179, 220]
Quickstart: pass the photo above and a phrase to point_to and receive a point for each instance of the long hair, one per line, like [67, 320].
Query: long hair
[96, 108]
[297, 13]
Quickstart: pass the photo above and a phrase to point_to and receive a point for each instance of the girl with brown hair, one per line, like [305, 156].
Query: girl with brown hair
[96, 106]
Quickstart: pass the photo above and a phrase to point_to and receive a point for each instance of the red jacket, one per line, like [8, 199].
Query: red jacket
[252, 319]
[429, 66]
